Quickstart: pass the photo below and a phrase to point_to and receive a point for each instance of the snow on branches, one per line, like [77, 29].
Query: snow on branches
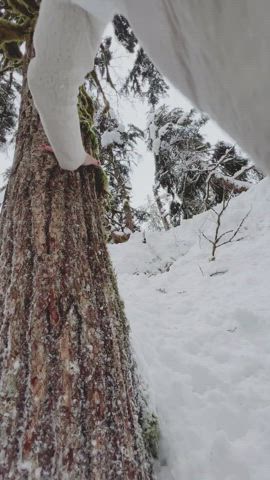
[191, 175]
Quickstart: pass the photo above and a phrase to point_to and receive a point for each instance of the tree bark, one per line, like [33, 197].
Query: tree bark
[69, 396]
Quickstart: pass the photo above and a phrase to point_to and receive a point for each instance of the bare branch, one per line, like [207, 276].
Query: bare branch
[213, 210]
[216, 241]
[206, 238]
[237, 230]
[223, 234]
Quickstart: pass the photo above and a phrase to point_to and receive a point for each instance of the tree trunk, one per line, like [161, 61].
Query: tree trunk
[69, 398]
[163, 216]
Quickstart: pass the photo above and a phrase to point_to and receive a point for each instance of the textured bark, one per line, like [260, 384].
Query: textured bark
[69, 398]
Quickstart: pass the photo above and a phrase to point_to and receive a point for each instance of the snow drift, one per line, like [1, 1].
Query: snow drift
[201, 332]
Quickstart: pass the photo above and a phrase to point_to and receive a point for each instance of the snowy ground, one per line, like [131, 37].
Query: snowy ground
[203, 340]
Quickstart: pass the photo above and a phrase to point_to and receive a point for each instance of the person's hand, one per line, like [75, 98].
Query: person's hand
[44, 147]
[89, 160]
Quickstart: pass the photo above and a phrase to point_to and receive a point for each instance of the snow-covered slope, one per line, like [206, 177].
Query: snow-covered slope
[201, 331]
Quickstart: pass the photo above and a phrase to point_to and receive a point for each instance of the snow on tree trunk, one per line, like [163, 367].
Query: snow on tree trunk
[69, 397]
[163, 215]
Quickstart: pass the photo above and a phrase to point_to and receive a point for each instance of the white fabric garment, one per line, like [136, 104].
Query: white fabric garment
[216, 52]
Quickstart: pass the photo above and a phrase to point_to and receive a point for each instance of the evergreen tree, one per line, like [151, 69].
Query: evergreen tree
[124, 33]
[117, 152]
[144, 80]
[181, 154]
[8, 112]
[190, 177]
[70, 401]
[152, 219]
[229, 173]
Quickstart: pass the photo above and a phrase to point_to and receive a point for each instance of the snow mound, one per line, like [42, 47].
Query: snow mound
[201, 332]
